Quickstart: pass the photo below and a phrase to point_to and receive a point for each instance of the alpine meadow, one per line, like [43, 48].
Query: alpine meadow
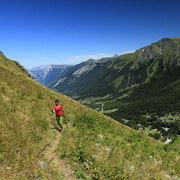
[94, 145]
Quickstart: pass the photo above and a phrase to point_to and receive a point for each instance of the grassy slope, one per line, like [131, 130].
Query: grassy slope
[109, 150]
[94, 143]
[24, 122]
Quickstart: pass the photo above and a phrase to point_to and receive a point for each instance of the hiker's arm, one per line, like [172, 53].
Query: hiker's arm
[53, 112]
[51, 119]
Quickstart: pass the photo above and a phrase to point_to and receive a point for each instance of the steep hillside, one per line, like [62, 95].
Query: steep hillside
[94, 145]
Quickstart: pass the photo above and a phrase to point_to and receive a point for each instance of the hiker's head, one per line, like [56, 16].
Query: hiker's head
[57, 102]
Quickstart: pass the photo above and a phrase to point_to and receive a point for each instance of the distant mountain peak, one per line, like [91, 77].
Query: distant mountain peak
[46, 73]
[154, 49]
[90, 60]
[116, 55]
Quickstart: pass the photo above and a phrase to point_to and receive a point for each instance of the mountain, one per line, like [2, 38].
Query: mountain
[94, 145]
[81, 77]
[137, 89]
[47, 73]
[108, 76]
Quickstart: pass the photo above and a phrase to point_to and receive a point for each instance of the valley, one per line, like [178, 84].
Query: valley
[136, 89]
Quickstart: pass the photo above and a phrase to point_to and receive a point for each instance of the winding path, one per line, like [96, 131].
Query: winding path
[60, 164]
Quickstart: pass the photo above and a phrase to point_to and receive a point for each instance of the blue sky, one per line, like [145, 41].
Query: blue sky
[36, 32]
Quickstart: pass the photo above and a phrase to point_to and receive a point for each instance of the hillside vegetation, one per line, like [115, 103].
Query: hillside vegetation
[96, 146]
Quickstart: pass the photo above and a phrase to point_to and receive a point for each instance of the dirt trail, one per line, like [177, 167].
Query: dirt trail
[60, 164]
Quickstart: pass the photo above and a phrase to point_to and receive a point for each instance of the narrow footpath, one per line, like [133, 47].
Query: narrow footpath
[60, 164]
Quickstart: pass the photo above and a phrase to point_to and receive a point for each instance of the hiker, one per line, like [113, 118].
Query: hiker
[59, 114]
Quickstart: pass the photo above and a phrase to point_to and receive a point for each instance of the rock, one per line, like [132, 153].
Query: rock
[108, 149]
[24, 69]
[167, 141]
[42, 164]
[155, 160]
[101, 137]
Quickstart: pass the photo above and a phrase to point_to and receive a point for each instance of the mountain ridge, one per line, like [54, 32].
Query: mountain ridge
[46, 73]
[129, 61]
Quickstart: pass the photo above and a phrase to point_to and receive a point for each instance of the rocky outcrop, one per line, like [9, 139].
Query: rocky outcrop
[1, 53]
[153, 50]
[24, 69]
[84, 69]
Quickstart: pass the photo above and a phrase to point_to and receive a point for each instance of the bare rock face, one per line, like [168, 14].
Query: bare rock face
[153, 50]
[84, 69]
[47, 73]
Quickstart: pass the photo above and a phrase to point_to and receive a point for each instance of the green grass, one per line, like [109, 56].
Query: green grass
[95, 145]
[25, 115]
[110, 111]
[177, 142]
[109, 150]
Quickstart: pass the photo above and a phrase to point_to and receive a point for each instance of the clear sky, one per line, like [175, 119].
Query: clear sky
[36, 32]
